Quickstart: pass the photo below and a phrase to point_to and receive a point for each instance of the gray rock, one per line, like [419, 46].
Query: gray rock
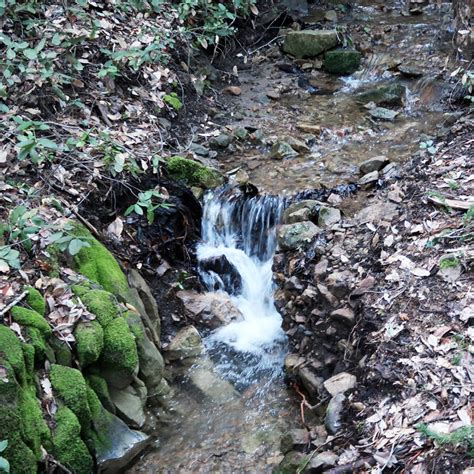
[382, 113]
[324, 459]
[309, 43]
[373, 164]
[326, 294]
[344, 315]
[299, 145]
[330, 15]
[121, 445]
[391, 171]
[199, 149]
[294, 236]
[296, 6]
[292, 462]
[409, 70]
[128, 406]
[281, 150]
[342, 61]
[311, 382]
[376, 213]
[187, 343]
[296, 437]
[340, 383]
[221, 141]
[392, 94]
[211, 309]
[328, 216]
[369, 178]
[332, 420]
[301, 211]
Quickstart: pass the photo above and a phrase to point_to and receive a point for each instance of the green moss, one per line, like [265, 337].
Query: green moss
[21, 458]
[30, 318]
[35, 432]
[69, 449]
[98, 264]
[99, 385]
[36, 300]
[9, 388]
[89, 342]
[135, 324]
[120, 351]
[38, 341]
[10, 349]
[101, 303]
[70, 386]
[449, 262]
[193, 173]
[62, 352]
[29, 356]
[342, 61]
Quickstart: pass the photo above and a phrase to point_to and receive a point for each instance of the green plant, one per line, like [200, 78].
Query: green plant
[173, 100]
[428, 146]
[9, 258]
[456, 359]
[146, 204]
[463, 436]
[453, 185]
[449, 262]
[467, 81]
[182, 277]
[469, 216]
[4, 464]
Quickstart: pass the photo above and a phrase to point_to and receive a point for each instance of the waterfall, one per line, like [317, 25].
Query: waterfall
[241, 231]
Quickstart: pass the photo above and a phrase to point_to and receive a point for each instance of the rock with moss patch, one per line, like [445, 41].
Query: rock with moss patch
[30, 318]
[99, 385]
[281, 150]
[70, 387]
[187, 343]
[11, 350]
[102, 304]
[36, 300]
[68, 447]
[98, 264]
[89, 342]
[299, 235]
[193, 173]
[342, 61]
[62, 352]
[42, 349]
[300, 211]
[310, 43]
[391, 94]
[129, 406]
[119, 358]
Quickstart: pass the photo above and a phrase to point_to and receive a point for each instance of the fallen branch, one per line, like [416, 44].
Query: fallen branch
[452, 203]
[13, 303]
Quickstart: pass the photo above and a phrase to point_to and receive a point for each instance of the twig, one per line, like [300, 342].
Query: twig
[304, 403]
[13, 303]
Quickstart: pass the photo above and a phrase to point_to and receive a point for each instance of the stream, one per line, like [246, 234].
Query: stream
[232, 405]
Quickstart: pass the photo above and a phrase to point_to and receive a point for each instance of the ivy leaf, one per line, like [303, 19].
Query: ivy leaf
[30, 53]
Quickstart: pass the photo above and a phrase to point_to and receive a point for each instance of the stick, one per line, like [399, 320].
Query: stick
[13, 303]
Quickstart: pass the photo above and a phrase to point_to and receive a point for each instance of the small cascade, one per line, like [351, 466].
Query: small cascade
[240, 232]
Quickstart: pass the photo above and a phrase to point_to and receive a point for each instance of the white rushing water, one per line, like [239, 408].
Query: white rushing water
[243, 231]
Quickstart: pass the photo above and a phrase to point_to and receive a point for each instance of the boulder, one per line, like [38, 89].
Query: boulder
[211, 309]
[342, 61]
[328, 216]
[340, 383]
[311, 382]
[332, 420]
[369, 179]
[193, 173]
[204, 378]
[187, 343]
[381, 113]
[373, 164]
[229, 275]
[129, 406]
[391, 94]
[301, 211]
[309, 43]
[281, 150]
[298, 235]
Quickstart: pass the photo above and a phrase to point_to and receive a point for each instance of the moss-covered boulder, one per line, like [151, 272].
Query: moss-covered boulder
[99, 385]
[68, 447]
[35, 300]
[70, 387]
[30, 318]
[309, 43]
[99, 302]
[11, 350]
[98, 264]
[342, 61]
[119, 358]
[62, 352]
[89, 342]
[193, 173]
[391, 94]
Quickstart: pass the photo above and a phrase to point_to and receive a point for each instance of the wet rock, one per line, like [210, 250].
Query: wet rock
[342, 61]
[293, 236]
[212, 309]
[187, 343]
[392, 94]
[391, 171]
[281, 150]
[332, 420]
[373, 164]
[311, 382]
[122, 447]
[298, 145]
[129, 406]
[340, 383]
[309, 43]
[199, 149]
[376, 213]
[242, 177]
[229, 275]
[344, 315]
[301, 211]
[410, 70]
[221, 141]
[369, 179]
[328, 216]
[324, 459]
[293, 361]
[381, 113]
[292, 438]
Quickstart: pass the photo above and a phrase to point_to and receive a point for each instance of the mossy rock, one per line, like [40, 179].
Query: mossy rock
[62, 352]
[18, 454]
[36, 300]
[31, 318]
[101, 303]
[29, 356]
[99, 385]
[68, 447]
[42, 349]
[342, 61]
[193, 173]
[11, 350]
[70, 386]
[89, 342]
[119, 357]
[98, 264]
[35, 431]
[9, 387]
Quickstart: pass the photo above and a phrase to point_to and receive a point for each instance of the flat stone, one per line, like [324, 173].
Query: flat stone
[340, 383]
[381, 113]
[128, 405]
[281, 150]
[373, 164]
[376, 213]
[332, 420]
[187, 343]
[311, 382]
[199, 149]
[299, 145]
[391, 94]
[369, 178]
[328, 216]
[294, 236]
[301, 211]
[309, 43]
[344, 315]
[296, 437]
[342, 61]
